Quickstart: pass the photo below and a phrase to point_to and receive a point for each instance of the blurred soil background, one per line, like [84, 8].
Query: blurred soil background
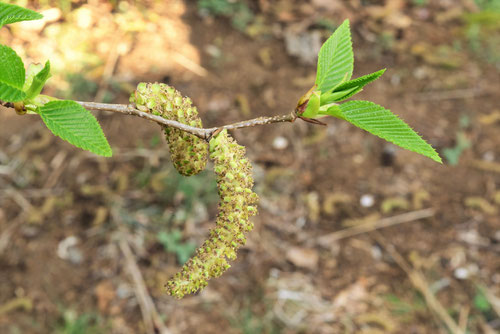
[353, 234]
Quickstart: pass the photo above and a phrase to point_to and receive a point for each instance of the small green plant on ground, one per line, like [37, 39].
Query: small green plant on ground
[482, 30]
[191, 145]
[483, 304]
[73, 323]
[452, 154]
[247, 322]
[172, 242]
[238, 11]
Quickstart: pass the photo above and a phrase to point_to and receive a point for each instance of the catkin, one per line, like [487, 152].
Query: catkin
[237, 204]
[188, 152]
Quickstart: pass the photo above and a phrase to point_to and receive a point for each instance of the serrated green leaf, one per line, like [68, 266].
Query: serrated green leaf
[383, 123]
[360, 82]
[350, 93]
[345, 90]
[12, 13]
[334, 96]
[335, 59]
[11, 75]
[11, 67]
[73, 123]
[38, 82]
[9, 93]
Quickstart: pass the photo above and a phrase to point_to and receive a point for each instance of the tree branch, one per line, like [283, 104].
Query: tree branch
[131, 110]
[204, 133]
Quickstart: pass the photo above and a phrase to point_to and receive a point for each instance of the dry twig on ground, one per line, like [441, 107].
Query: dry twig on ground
[419, 282]
[152, 319]
[372, 226]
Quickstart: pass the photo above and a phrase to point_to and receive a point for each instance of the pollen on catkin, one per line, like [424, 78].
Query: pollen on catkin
[237, 204]
[189, 153]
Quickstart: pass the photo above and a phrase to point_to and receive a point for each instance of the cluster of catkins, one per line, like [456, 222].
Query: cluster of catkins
[234, 182]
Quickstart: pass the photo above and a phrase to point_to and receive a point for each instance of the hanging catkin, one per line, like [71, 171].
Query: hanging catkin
[237, 204]
[188, 152]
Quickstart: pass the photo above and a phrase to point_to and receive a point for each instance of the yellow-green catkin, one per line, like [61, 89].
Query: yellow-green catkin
[188, 152]
[237, 204]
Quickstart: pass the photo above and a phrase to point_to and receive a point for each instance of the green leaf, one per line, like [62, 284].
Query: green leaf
[382, 123]
[349, 88]
[335, 96]
[10, 93]
[349, 93]
[38, 81]
[73, 123]
[335, 59]
[12, 13]
[360, 82]
[312, 108]
[11, 75]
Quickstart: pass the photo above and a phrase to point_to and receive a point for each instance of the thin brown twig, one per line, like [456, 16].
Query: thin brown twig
[463, 318]
[204, 133]
[152, 319]
[130, 110]
[6, 104]
[257, 121]
[190, 65]
[26, 207]
[375, 225]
